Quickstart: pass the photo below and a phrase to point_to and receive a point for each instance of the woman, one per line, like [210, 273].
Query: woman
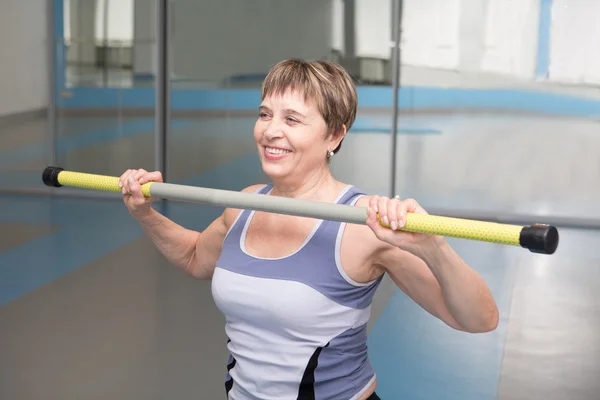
[296, 292]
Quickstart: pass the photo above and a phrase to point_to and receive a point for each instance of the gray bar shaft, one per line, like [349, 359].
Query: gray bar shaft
[259, 202]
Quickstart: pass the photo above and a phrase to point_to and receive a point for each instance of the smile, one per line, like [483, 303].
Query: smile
[276, 151]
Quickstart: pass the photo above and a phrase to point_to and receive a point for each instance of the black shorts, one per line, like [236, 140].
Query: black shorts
[374, 397]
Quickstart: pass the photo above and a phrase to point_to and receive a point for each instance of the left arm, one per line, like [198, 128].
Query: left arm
[466, 294]
[429, 271]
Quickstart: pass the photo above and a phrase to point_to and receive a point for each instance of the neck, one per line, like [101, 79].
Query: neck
[319, 186]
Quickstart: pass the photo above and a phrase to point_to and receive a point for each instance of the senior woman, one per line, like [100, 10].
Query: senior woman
[296, 292]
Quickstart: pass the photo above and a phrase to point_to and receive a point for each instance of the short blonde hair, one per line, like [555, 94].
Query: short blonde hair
[324, 82]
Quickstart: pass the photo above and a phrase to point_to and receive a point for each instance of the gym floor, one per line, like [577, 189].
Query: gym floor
[89, 308]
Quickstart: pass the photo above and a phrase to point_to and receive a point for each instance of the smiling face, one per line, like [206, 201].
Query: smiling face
[306, 109]
[292, 137]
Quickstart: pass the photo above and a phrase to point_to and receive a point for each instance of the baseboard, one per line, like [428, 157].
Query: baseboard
[17, 118]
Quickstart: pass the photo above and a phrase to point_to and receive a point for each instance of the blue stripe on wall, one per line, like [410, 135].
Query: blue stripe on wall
[544, 39]
[410, 97]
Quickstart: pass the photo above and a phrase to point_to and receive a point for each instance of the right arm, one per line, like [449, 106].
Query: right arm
[194, 252]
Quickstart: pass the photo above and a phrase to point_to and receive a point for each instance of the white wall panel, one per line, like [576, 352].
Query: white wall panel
[575, 42]
[24, 45]
[430, 35]
[373, 22]
[511, 37]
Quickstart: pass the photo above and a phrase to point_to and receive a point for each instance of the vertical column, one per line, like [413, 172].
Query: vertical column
[350, 61]
[58, 56]
[397, 7]
[545, 26]
[56, 72]
[349, 28]
[163, 87]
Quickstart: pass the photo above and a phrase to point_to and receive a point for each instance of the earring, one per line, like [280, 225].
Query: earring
[330, 154]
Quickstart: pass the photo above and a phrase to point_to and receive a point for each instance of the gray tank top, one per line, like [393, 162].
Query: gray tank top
[296, 325]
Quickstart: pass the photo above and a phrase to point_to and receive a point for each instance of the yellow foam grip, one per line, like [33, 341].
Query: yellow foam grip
[461, 228]
[96, 182]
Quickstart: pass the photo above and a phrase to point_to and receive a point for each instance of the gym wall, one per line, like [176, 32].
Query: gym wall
[24, 45]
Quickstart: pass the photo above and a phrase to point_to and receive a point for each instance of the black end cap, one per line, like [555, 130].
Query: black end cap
[539, 238]
[50, 176]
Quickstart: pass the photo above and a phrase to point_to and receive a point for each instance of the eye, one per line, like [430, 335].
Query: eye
[263, 115]
[292, 120]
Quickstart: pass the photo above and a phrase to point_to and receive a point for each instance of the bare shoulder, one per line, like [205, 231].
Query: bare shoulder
[230, 214]
[363, 234]
[361, 249]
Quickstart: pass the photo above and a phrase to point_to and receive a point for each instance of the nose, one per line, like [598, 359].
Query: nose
[273, 131]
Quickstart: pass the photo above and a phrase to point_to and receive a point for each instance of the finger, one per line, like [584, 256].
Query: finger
[371, 210]
[415, 207]
[401, 213]
[138, 174]
[383, 210]
[122, 177]
[135, 188]
[411, 205]
[155, 176]
[371, 215]
[122, 180]
[393, 213]
[373, 201]
[372, 218]
[128, 180]
[126, 188]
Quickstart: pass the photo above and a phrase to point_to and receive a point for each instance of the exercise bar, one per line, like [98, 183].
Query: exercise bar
[538, 238]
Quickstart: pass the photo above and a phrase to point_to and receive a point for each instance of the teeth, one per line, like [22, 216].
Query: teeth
[276, 151]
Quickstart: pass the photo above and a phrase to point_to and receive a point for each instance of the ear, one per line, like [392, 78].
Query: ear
[337, 137]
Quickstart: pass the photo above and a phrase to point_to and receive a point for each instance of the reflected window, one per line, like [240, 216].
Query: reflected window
[98, 39]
